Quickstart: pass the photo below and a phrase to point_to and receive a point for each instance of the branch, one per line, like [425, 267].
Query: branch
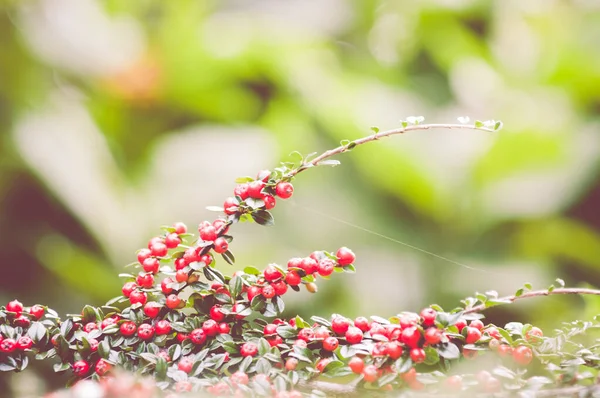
[535, 293]
[376, 136]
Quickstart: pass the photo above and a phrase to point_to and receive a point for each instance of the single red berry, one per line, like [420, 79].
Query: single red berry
[224, 328]
[393, 331]
[128, 328]
[221, 225]
[274, 341]
[477, 324]
[356, 365]
[253, 291]
[151, 264]
[268, 292]
[145, 280]
[377, 328]
[206, 259]
[216, 313]
[411, 336]
[293, 278]
[263, 175]
[37, 311]
[164, 285]
[269, 201]
[417, 355]
[255, 189]
[151, 309]
[22, 321]
[284, 190]
[534, 335]
[180, 228]
[354, 335]
[295, 262]
[322, 364]
[270, 329]
[162, 327]
[241, 190]
[81, 368]
[249, 349]
[345, 256]
[362, 323]
[172, 240]
[326, 266]
[280, 288]
[300, 343]
[198, 336]
[291, 364]
[102, 367]
[137, 296]
[185, 365]
[428, 315]
[88, 327]
[173, 301]
[239, 378]
[523, 355]
[370, 373]
[472, 335]
[231, 206]
[322, 333]
[309, 265]
[24, 343]
[181, 337]
[143, 254]
[8, 345]
[272, 274]
[306, 334]
[159, 249]
[379, 349]
[15, 306]
[460, 324]
[433, 335]
[504, 350]
[330, 344]
[145, 331]
[221, 245]
[340, 325]
[394, 350]
[191, 255]
[208, 233]
[409, 319]
[493, 332]
[210, 327]
[181, 276]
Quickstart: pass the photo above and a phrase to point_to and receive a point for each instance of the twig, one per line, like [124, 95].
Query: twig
[377, 136]
[536, 293]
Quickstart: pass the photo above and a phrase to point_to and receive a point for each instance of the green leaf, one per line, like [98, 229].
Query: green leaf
[241, 180]
[375, 129]
[528, 286]
[449, 351]
[560, 282]
[263, 217]
[235, 286]
[36, 332]
[252, 270]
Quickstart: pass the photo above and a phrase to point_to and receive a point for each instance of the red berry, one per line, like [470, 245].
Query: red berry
[394, 350]
[326, 266]
[263, 175]
[210, 327]
[185, 365]
[164, 285]
[231, 206]
[268, 292]
[128, 328]
[340, 325]
[330, 344]
[241, 190]
[8, 345]
[274, 341]
[354, 335]
[345, 256]
[145, 280]
[411, 336]
[362, 323]
[158, 249]
[433, 335]
[272, 274]
[191, 255]
[137, 296]
[253, 291]
[460, 324]
[322, 364]
[162, 327]
[128, 287]
[172, 240]
[173, 301]
[15, 306]
[477, 324]
[37, 311]
[197, 336]
[370, 373]
[181, 276]
[428, 315]
[224, 328]
[280, 288]
[249, 350]
[206, 259]
[22, 321]
[494, 333]
[88, 327]
[216, 313]
[270, 329]
[255, 189]
[238, 309]
[151, 264]
[472, 335]
[523, 355]
[269, 201]
[295, 262]
[379, 349]
[151, 309]
[309, 265]
[108, 322]
[81, 368]
[208, 233]
[417, 355]
[102, 367]
[145, 331]
[505, 350]
[221, 245]
[306, 334]
[143, 254]
[321, 333]
[284, 190]
[180, 228]
[291, 364]
[356, 365]
[293, 278]
[240, 378]
[534, 335]
[24, 343]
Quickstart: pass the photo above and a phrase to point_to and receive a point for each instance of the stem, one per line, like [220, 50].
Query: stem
[536, 293]
[376, 136]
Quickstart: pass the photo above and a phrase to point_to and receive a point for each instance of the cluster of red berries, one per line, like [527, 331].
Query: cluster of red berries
[262, 191]
[19, 320]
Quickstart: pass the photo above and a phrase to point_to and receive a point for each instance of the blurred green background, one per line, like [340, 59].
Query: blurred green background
[117, 117]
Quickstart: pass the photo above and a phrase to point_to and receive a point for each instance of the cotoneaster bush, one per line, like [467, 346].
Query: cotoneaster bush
[183, 326]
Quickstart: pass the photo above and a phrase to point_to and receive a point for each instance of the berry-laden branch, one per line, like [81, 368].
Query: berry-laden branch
[190, 327]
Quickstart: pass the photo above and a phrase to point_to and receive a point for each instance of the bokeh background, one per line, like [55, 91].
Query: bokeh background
[117, 117]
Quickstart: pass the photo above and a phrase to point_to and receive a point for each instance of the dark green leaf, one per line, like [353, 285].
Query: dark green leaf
[263, 217]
